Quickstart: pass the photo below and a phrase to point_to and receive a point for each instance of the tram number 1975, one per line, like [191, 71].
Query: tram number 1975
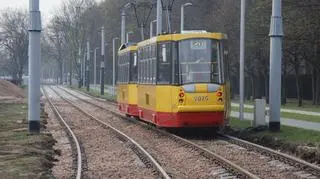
[201, 98]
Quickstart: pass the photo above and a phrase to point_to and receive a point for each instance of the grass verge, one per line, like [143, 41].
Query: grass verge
[302, 143]
[293, 105]
[301, 117]
[287, 133]
[23, 155]
[96, 93]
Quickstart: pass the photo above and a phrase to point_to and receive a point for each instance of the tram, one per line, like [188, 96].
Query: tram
[176, 80]
[127, 66]
[183, 80]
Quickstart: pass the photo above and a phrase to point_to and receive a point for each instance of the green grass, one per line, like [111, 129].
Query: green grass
[301, 117]
[293, 104]
[96, 93]
[22, 155]
[289, 134]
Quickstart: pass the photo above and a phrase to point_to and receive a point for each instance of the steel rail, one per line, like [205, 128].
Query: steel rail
[157, 166]
[242, 173]
[293, 161]
[57, 113]
[314, 169]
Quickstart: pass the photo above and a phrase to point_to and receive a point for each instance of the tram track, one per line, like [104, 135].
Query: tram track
[300, 168]
[77, 149]
[285, 158]
[232, 168]
[141, 153]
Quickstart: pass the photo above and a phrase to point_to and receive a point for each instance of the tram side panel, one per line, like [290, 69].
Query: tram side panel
[122, 97]
[146, 102]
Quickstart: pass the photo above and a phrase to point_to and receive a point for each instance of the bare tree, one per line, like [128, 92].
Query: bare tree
[14, 40]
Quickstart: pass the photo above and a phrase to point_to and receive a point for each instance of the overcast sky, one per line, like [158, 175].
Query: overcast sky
[47, 7]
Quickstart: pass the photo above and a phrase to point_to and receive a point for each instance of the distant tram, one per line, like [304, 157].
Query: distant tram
[127, 80]
[176, 80]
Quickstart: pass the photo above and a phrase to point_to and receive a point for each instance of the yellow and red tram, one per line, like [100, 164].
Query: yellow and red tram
[182, 81]
[127, 80]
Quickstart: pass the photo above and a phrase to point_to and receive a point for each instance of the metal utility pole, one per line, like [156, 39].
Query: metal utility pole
[123, 23]
[114, 63]
[159, 17]
[102, 62]
[142, 32]
[242, 51]
[128, 37]
[34, 67]
[276, 34]
[182, 15]
[95, 67]
[78, 43]
[151, 28]
[83, 69]
[87, 66]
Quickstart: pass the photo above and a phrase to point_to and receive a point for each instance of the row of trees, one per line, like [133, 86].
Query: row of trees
[76, 21]
[13, 43]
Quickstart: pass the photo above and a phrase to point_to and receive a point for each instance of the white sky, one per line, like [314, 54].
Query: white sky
[47, 7]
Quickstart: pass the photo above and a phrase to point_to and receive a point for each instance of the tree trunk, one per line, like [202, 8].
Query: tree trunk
[314, 94]
[253, 93]
[61, 72]
[284, 85]
[20, 73]
[298, 86]
[317, 98]
[266, 88]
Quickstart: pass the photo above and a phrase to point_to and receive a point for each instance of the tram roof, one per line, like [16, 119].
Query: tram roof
[183, 36]
[124, 49]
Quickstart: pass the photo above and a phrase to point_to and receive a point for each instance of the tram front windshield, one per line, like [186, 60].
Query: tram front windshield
[198, 61]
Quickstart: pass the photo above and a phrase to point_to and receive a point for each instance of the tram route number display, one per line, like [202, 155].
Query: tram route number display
[201, 98]
[198, 44]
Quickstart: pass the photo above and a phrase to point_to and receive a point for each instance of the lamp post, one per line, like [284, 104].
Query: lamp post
[95, 67]
[151, 28]
[102, 66]
[78, 43]
[128, 33]
[114, 63]
[182, 15]
[123, 23]
[276, 34]
[87, 66]
[242, 45]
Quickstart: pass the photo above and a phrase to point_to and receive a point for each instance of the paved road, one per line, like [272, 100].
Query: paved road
[285, 121]
[283, 110]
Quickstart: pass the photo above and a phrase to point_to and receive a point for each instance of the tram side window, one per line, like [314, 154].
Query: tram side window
[133, 68]
[123, 69]
[139, 65]
[215, 75]
[154, 63]
[119, 70]
[175, 65]
[164, 64]
[127, 68]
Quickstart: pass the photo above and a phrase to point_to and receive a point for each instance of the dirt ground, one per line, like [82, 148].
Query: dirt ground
[307, 151]
[23, 155]
[8, 89]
